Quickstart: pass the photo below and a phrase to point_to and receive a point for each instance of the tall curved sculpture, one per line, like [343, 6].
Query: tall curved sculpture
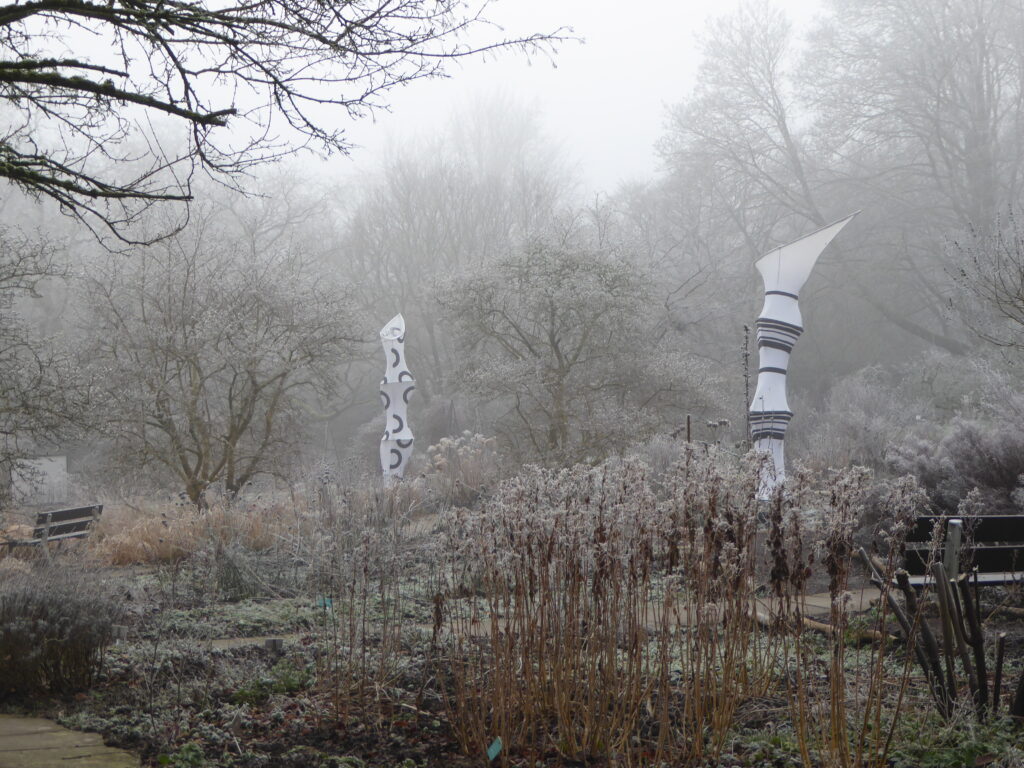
[396, 390]
[784, 272]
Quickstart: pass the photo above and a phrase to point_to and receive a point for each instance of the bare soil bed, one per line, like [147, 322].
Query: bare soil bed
[190, 683]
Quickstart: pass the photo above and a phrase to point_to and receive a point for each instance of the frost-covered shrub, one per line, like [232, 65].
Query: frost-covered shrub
[578, 563]
[972, 455]
[462, 468]
[867, 413]
[862, 415]
[660, 454]
[888, 506]
[584, 607]
[55, 627]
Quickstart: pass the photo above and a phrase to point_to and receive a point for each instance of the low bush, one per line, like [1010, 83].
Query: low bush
[461, 469]
[55, 626]
[972, 455]
[287, 677]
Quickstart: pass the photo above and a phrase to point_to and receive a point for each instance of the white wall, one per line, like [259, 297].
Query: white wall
[43, 480]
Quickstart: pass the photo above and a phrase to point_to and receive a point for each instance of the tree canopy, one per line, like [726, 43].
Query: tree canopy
[113, 105]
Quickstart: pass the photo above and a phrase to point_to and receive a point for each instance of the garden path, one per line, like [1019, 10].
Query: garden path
[33, 742]
[815, 606]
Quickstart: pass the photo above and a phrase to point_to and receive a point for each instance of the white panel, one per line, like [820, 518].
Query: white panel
[788, 267]
[394, 456]
[770, 394]
[43, 480]
[783, 308]
[392, 337]
[773, 358]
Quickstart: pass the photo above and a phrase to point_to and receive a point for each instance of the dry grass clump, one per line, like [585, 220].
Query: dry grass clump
[127, 536]
[16, 532]
[9, 565]
[14, 527]
[168, 533]
[376, 504]
[148, 532]
[55, 625]
[307, 534]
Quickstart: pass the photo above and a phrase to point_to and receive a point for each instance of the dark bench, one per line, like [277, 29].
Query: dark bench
[62, 524]
[996, 544]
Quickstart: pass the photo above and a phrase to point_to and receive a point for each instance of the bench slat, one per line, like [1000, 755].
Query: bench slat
[985, 579]
[64, 515]
[61, 524]
[916, 560]
[1002, 557]
[71, 525]
[76, 535]
[991, 557]
[982, 529]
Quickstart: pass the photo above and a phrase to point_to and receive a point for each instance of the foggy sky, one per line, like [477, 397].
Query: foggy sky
[605, 99]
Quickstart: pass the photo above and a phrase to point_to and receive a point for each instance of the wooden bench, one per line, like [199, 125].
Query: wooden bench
[996, 545]
[62, 524]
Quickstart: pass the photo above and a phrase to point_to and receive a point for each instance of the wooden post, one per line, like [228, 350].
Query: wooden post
[939, 689]
[1017, 705]
[930, 648]
[957, 640]
[746, 382]
[951, 555]
[998, 682]
[976, 640]
[45, 538]
[946, 622]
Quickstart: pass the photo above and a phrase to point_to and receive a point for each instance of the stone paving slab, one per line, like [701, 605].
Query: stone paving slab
[224, 643]
[33, 742]
[860, 600]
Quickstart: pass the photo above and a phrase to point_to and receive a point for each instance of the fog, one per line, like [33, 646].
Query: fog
[569, 231]
[557, 382]
[604, 96]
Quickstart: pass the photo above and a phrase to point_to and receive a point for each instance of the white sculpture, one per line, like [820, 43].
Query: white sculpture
[395, 392]
[784, 272]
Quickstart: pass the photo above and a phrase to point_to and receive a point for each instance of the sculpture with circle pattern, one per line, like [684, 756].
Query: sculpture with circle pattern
[395, 392]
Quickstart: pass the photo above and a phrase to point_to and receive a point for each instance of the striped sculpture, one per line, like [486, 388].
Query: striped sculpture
[784, 272]
[395, 391]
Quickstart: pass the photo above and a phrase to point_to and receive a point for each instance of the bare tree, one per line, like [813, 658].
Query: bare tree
[907, 109]
[211, 354]
[990, 271]
[81, 78]
[923, 101]
[43, 394]
[471, 194]
[556, 337]
[743, 116]
[919, 106]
